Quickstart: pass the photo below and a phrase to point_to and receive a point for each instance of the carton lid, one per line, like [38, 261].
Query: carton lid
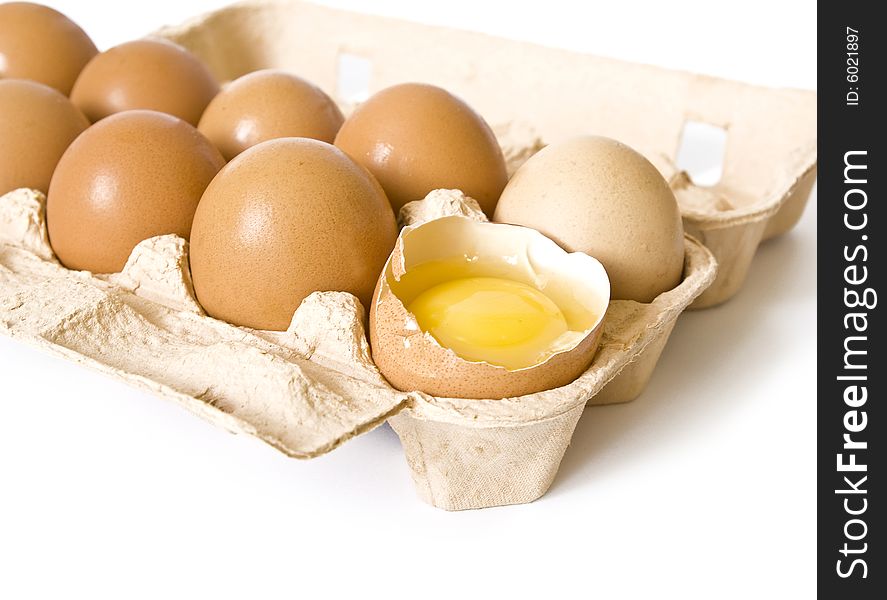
[770, 133]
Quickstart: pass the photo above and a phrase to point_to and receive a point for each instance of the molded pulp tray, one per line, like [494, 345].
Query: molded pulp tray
[548, 95]
[306, 390]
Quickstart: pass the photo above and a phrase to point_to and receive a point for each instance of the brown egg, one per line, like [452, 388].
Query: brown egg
[416, 138]
[134, 175]
[284, 219]
[265, 105]
[43, 45]
[596, 195]
[37, 124]
[152, 74]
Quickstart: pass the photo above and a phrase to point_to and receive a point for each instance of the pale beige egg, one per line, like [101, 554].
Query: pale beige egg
[473, 309]
[596, 195]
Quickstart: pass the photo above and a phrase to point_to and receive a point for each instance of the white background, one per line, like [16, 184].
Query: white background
[702, 488]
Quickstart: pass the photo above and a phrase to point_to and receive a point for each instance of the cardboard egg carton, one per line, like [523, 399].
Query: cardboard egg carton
[307, 390]
[542, 95]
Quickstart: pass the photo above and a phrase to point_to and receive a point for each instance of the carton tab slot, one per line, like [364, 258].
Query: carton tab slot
[701, 152]
[353, 75]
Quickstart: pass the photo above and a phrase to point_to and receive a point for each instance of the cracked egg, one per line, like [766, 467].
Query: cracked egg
[471, 309]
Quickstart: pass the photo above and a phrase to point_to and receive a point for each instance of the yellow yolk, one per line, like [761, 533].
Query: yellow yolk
[499, 321]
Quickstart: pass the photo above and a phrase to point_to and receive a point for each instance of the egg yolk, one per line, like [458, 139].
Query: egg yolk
[490, 319]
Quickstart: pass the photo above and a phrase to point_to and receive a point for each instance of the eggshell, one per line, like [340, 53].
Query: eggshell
[596, 195]
[286, 218]
[148, 74]
[416, 138]
[265, 105]
[129, 177]
[411, 359]
[37, 123]
[43, 45]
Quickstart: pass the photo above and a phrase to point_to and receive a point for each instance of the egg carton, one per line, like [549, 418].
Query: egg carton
[534, 93]
[306, 390]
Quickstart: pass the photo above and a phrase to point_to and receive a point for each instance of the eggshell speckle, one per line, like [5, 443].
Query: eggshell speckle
[265, 105]
[43, 45]
[596, 195]
[416, 138]
[129, 177]
[149, 74]
[37, 123]
[286, 218]
[413, 360]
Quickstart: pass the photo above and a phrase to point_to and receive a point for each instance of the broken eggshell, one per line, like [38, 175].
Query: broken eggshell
[414, 360]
